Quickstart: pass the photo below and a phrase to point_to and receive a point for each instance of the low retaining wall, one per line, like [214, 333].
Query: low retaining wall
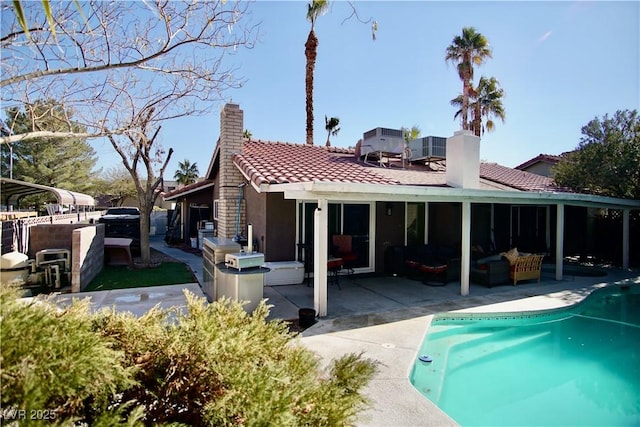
[87, 256]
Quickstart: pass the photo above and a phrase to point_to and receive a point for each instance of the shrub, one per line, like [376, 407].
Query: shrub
[209, 364]
[53, 365]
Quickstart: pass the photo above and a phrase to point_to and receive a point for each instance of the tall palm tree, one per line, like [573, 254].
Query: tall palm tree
[331, 125]
[187, 172]
[467, 50]
[486, 102]
[314, 9]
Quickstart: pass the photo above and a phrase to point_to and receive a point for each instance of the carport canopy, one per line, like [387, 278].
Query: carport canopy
[12, 190]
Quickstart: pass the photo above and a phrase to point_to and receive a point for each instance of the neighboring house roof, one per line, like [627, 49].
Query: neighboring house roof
[264, 162]
[541, 158]
[187, 189]
[518, 179]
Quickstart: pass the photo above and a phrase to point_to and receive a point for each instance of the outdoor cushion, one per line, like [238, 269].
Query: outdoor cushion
[432, 268]
[496, 257]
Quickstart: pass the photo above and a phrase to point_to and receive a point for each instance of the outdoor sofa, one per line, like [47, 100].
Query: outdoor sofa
[506, 267]
[490, 271]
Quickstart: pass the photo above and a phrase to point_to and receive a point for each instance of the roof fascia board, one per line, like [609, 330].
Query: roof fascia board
[193, 190]
[352, 191]
[216, 153]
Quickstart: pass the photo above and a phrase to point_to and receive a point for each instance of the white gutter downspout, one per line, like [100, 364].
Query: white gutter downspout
[465, 263]
[625, 239]
[559, 239]
[320, 255]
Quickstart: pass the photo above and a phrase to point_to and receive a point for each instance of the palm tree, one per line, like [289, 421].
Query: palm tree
[247, 134]
[467, 50]
[410, 134]
[331, 125]
[314, 9]
[187, 174]
[485, 102]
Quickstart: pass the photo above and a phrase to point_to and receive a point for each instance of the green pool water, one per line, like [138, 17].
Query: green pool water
[577, 366]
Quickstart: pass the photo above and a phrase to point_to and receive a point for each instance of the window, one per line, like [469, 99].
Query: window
[215, 209]
[416, 223]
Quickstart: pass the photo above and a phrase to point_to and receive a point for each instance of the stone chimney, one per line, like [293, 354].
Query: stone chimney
[463, 160]
[230, 178]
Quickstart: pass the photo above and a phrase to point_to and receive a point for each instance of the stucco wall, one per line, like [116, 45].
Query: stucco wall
[280, 236]
[256, 215]
[277, 240]
[389, 230]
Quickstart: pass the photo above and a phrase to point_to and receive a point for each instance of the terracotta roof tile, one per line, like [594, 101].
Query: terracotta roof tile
[521, 180]
[544, 158]
[265, 162]
[279, 163]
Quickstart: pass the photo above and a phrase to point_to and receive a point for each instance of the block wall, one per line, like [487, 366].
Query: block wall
[87, 257]
[51, 236]
[86, 243]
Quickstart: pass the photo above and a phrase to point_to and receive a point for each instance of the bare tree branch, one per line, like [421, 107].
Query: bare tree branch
[122, 68]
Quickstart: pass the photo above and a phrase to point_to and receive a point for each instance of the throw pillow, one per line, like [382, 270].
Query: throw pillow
[512, 255]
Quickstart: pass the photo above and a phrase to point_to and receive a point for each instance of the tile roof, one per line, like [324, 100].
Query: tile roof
[265, 162]
[280, 163]
[187, 188]
[541, 158]
[521, 180]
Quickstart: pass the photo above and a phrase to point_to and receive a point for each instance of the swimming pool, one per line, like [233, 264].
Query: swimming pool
[571, 366]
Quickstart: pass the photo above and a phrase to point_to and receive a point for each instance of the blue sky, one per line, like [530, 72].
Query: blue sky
[560, 64]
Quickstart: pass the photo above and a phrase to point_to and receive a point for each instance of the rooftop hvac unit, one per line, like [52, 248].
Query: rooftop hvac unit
[428, 147]
[383, 140]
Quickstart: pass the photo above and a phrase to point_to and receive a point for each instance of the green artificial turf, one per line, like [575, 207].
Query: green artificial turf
[121, 277]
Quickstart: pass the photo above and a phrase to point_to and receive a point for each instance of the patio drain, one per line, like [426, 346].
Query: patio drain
[388, 345]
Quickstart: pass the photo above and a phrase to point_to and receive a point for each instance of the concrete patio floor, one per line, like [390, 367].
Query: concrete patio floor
[384, 318]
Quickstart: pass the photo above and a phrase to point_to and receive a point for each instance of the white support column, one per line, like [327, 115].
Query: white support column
[320, 251]
[559, 240]
[625, 238]
[465, 263]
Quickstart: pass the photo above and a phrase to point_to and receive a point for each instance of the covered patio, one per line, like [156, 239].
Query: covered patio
[364, 300]
[325, 193]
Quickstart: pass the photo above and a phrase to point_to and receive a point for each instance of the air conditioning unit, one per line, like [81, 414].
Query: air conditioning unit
[428, 147]
[382, 140]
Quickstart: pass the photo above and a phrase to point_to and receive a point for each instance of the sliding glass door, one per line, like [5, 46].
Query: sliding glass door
[344, 219]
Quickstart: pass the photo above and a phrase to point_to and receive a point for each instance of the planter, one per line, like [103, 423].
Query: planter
[306, 317]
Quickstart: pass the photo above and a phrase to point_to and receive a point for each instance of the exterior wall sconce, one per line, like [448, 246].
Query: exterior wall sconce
[389, 209]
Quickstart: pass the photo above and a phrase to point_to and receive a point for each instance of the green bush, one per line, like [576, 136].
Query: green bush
[209, 364]
[53, 364]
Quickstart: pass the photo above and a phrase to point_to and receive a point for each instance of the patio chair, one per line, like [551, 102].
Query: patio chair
[342, 248]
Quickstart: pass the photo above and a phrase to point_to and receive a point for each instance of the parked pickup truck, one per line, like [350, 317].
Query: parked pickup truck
[122, 221]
